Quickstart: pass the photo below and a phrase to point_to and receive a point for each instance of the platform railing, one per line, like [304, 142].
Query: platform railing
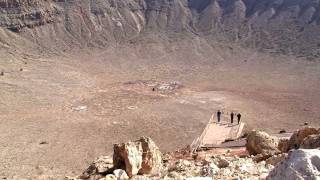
[197, 142]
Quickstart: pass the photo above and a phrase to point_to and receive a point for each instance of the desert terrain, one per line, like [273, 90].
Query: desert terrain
[59, 109]
[64, 101]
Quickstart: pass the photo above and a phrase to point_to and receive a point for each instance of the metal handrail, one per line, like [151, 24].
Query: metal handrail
[197, 142]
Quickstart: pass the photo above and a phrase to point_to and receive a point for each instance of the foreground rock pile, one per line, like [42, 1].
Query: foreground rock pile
[300, 164]
[266, 157]
[218, 167]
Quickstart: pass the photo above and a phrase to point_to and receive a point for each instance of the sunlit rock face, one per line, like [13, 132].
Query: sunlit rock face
[277, 26]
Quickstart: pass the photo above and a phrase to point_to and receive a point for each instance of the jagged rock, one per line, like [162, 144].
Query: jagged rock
[283, 145]
[300, 164]
[311, 142]
[151, 158]
[298, 136]
[209, 170]
[259, 142]
[103, 164]
[261, 157]
[274, 160]
[182, 165]
[221, 162]
[141, 156]
[110, 177]
[120, 174]
[100, 165]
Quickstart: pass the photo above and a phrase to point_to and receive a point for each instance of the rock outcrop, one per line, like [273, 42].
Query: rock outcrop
[217, 167]
[138, 157]
[283, 145]
[259, 142]
[274, 160]
[142, 160]
[298, 136]
[289, 27]
[101, 165]
[311, 142]
[128, 156]
[300, 164]
[151, 157]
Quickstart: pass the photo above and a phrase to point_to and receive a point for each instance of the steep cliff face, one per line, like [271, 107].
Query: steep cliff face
[16, 15]
[277, 26]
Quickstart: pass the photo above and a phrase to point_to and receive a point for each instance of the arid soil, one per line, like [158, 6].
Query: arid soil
[78, 76]
[57, 114]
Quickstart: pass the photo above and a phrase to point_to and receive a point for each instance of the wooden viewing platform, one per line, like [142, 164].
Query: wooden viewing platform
[215, 134]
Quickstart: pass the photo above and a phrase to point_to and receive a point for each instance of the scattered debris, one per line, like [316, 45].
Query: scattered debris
[80, 108]
[167, 87]
[142, 160]
[162, 88]
[132, 107]
[119, 24]
[101, 165]
[43, 142]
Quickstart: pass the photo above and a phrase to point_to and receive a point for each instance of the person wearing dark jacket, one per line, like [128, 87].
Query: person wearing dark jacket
[219, 116]
[232, 116]
[239, 117]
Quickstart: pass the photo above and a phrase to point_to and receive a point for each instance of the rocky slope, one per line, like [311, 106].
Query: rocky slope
[44, 129]
[277, 26]
[262, 159]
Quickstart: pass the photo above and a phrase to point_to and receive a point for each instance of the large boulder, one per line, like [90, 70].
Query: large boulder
[259, 142]
[311, 142]
[151, 157]
[300, 164]
[138, 157]
[298, 136]
[128, 156]
[283, 145]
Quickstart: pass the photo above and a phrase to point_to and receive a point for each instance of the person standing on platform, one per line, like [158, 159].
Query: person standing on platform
[239, 117]
[219, 116]
[232, 116]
